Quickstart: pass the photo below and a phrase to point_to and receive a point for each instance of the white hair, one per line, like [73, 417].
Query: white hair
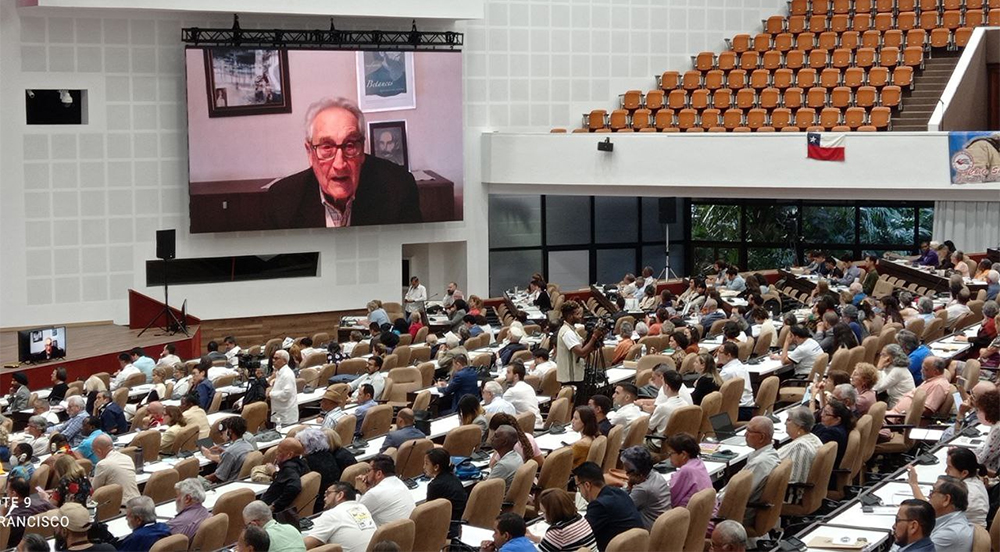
[333, 103]
[143, 508]
[77, 401]
[283, 354]
[732, 532]
[191, 487]
[494, 388]
[257, 511]
[993, 276]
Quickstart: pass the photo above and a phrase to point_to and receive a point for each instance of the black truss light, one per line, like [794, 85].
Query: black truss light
[321, 39]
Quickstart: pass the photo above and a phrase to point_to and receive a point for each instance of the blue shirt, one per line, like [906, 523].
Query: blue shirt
[400, 436]
[86, 448]
[144, 537]
[736, 284]
[206, 392]
[113, 419]
[992, 291]
[360, 412]
[916, 361]
[70, 429]
[379, 316]
[929, 259]
[145, 365]
[520, 544]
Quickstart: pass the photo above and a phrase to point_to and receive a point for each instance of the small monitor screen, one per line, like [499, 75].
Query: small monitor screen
[42, 344]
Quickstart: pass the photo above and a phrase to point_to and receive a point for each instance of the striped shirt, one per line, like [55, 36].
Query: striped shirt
[802, 451]
[568, 535]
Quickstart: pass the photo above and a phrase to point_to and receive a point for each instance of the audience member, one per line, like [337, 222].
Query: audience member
[729, 536]
[190, 510]
[286, 473]
[504, 439]
[114, 468]
[229, 460]
[344, 520]
[140, 513]
[567, 528]
[648, 489]
[384, 494]
[445, 484]
[519, 393]
[610, 510]
[283, 537]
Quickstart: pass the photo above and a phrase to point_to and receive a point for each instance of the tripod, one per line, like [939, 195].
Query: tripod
[171, 323]
[595, 377]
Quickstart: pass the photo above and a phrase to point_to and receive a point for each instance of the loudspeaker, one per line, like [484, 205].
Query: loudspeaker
[668, 210]
[166, 244]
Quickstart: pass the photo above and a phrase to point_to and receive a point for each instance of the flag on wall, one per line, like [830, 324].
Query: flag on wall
[826, 146]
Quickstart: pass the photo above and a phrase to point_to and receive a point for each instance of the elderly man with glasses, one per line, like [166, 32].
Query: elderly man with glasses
[342, 186]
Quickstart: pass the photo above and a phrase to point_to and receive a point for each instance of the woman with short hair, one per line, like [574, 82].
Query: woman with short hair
[896, 380]
[802, 447]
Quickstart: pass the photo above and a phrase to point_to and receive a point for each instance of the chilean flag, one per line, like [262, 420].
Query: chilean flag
[826, 146]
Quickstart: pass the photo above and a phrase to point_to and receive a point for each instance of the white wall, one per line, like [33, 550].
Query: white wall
[965, 101]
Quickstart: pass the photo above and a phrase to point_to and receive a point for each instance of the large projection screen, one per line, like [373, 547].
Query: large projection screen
[253, 166]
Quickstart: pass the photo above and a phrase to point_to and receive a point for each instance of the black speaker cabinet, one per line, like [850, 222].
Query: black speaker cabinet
[166, 244]
[668, 210]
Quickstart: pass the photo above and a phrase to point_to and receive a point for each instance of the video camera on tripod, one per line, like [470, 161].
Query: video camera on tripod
[598, 324]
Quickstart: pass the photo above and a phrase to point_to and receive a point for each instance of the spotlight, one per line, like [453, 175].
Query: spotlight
[606, 145]
[65, 98]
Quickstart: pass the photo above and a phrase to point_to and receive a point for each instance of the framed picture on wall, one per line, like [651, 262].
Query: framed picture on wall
[388, 141]
[386, 81]
[247, 81]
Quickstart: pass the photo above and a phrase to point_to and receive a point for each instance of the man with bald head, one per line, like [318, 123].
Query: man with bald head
[935, 385]
[342, 186]
[114, 467]
[288, 469]
[404, 431]
[504, 440]
[761, 462]
[154, 415]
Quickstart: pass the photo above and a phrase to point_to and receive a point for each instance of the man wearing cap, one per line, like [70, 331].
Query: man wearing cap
[331, 409]
[405, 431]
[20, 395]
[71, 532]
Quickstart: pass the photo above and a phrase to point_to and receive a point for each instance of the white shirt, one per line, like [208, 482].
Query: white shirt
[979, 501]
[377, 381]
[498, 404]
[168, 361]
[348, 524]
[625, 415]
[804, 356]
[217, 372]
[736, 369]
[388, 501]
[233, 357]
[181, 387]
[416, 297]
[955, 312]
[661, 414]
[50, 416]
[769, 325]
[123, 375]
[284, 407]
[543, 368]
[897, 381]
[524, 399]
[683, 393]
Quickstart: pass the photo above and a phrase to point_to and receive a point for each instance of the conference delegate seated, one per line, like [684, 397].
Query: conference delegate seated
[405, 430]
[732, 367]
[962, 465]
[445, 484]
[464, 381]
[585, 423]
[384, 494]
[281, 536]
[626, 411]
[836, 422]
[760, 463]
[610, 510]
[344, 521]
[286, 479]
[691, 475]
[525, 445]
[935, 385]
[519, 392]
[567, 529]
[803, 446]
[505, 468]
[648, 489]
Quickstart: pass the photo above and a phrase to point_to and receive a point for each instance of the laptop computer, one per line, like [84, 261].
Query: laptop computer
[722, 424]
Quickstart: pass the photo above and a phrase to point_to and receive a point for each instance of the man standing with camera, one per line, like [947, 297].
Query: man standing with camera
[571, 351]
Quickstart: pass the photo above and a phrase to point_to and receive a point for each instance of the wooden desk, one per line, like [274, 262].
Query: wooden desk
[913, 275]
[241, 205]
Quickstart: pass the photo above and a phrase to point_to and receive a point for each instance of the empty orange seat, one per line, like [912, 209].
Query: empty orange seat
[884, 6]
[861, 22]
[746, 98]
[871, 39]
[821, 6]
[798, 7]
[669, 80]
[699, 98]
[761, 43]
[867, 96]
[741, 43]
[695, 129]
[795, 59]
[841, 58]
[692, 80]
[704, 61]
[854, 77]
[793, 98]
[905, 6]
[781, 117]
[827, 40]
[952, 19]
[839, 23]
[805, 41]
[771, 60]
[749, 60]
[893, 37]
[654, 100]
[791, 128]
[840, 97]
[864, 57]
[608, 130]
[618, 120]
[756, 118]
[815, 128]
[784, 42]
[805, 117]
[973, 5]
[783, 78]
[952, 4]
[714, 79]
[841, 128]
[928, 5]
[737, 79]
[677, 99]
[829, 117]
[879, 117]
[560, 131]
[647, 129]
[816, 97]
[818, 58]
[575, 130]
[726, 61]
[973, 18]
[765, 129]
[687, 118]
[641, 119]
[829, 78]
[722, 99]
[854, 117]
[817, 23]
[732, 118]
[774, 24]
[913, 56]
[717, 129]
[883, 22]
[888, 57]
[928, 20]
[631, 100]
[806, 78]
[760, 78]
[841, 6]
[993, 20]
[850, 40]
[671, 129]
[906, 21]
[863, 6]
[890, 96]
[866, 128]
[596, 119]
[878, 76]
[664, 118]
[916, 37]
[796, 24]
[710, 118]
[769, 98]
[962, 36]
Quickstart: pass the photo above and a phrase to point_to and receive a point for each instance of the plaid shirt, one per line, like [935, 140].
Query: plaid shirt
[71, 428]
[335, 218]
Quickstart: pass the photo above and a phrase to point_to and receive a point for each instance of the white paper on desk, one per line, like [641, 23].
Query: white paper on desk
[926, 434]
[885, 510]
[450, 335]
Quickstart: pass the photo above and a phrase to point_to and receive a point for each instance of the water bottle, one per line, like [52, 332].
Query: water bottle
[139, 457]
[642, 352]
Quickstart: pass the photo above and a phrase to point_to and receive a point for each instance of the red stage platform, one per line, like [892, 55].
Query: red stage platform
[94, 348]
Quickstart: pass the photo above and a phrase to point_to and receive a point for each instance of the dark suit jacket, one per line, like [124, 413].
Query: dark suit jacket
[113, 419]
[287, 484]
[386, 194]
[543, 302]
[611, 513]
[464, 382]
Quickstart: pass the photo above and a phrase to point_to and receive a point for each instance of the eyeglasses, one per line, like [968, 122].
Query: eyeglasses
[903, 519]
[328, 150]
